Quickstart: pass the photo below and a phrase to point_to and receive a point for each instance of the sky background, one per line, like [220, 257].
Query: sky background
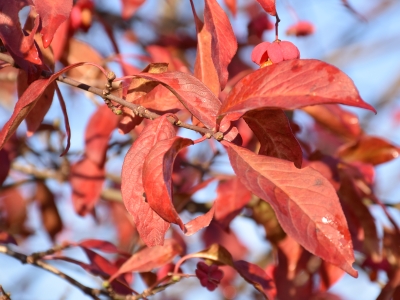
[369, 52]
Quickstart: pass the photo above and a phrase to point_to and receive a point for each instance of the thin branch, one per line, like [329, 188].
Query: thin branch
[93, 293]
[4, 295]
[137, 109]
[37, 173]
[156, 289]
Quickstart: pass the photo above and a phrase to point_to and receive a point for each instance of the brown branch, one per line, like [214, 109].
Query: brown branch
[3, 294]
[93, 293]
[174, 278]
[137, 109]
[38, 173]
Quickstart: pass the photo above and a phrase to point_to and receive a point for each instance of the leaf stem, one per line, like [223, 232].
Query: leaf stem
[277, 26]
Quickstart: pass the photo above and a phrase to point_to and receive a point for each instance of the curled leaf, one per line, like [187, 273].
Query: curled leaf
[369, 149]
[150, 225]
[272, 128]
[256, 276]
[157, 181]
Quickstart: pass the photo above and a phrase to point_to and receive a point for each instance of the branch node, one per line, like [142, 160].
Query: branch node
[219, 136]
[111, 76]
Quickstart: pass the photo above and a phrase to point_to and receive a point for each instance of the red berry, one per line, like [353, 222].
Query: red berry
[301, 28]
[266, 53]
[209, 276]
[81, 15]
[289, 51]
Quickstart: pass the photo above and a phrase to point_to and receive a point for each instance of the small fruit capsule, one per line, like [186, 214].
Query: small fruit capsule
[265, 54]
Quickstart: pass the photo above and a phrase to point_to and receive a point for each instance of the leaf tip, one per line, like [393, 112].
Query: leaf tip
[353, 272]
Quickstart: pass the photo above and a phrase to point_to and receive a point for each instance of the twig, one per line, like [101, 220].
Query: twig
[4, 296]
[93, 293]
[137, 109]
[156, 289]
[39, 255]
[40, 174]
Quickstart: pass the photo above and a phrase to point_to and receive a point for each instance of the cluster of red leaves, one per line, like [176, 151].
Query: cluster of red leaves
[311, 203]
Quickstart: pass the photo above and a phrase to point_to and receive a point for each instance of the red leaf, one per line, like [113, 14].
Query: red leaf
[258, 24]
[327, 166]
[223, 42]
[329, 275]
[48, 210]
[35, 117]
[325, 296]
[336, 119]
[257, 277]
[292, 84]
[291, 274]
[368, 149]
[125, 228]
[301, 28]
[200, 222]
[129, 7]
[98, 131]
[148, 259]
[52, 14]
[99, 262]
[42, 105]
[165, 55]
[86, 180]
[101, 245]
[5, 165]
[273, 130]
[232, 197]
[304, 201]
[232, 6]
[152, 101]
[216, 253]
[60, 40]
[215, 234]
[352, 198]
[204, 68]
[157, 181]
[13, 211]
[99, 266]
[392, 286]
[268, 6]
[6, 238]
[150, 225]
[92, 268]
[27, 102]
[22, 48]
[191, 92]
